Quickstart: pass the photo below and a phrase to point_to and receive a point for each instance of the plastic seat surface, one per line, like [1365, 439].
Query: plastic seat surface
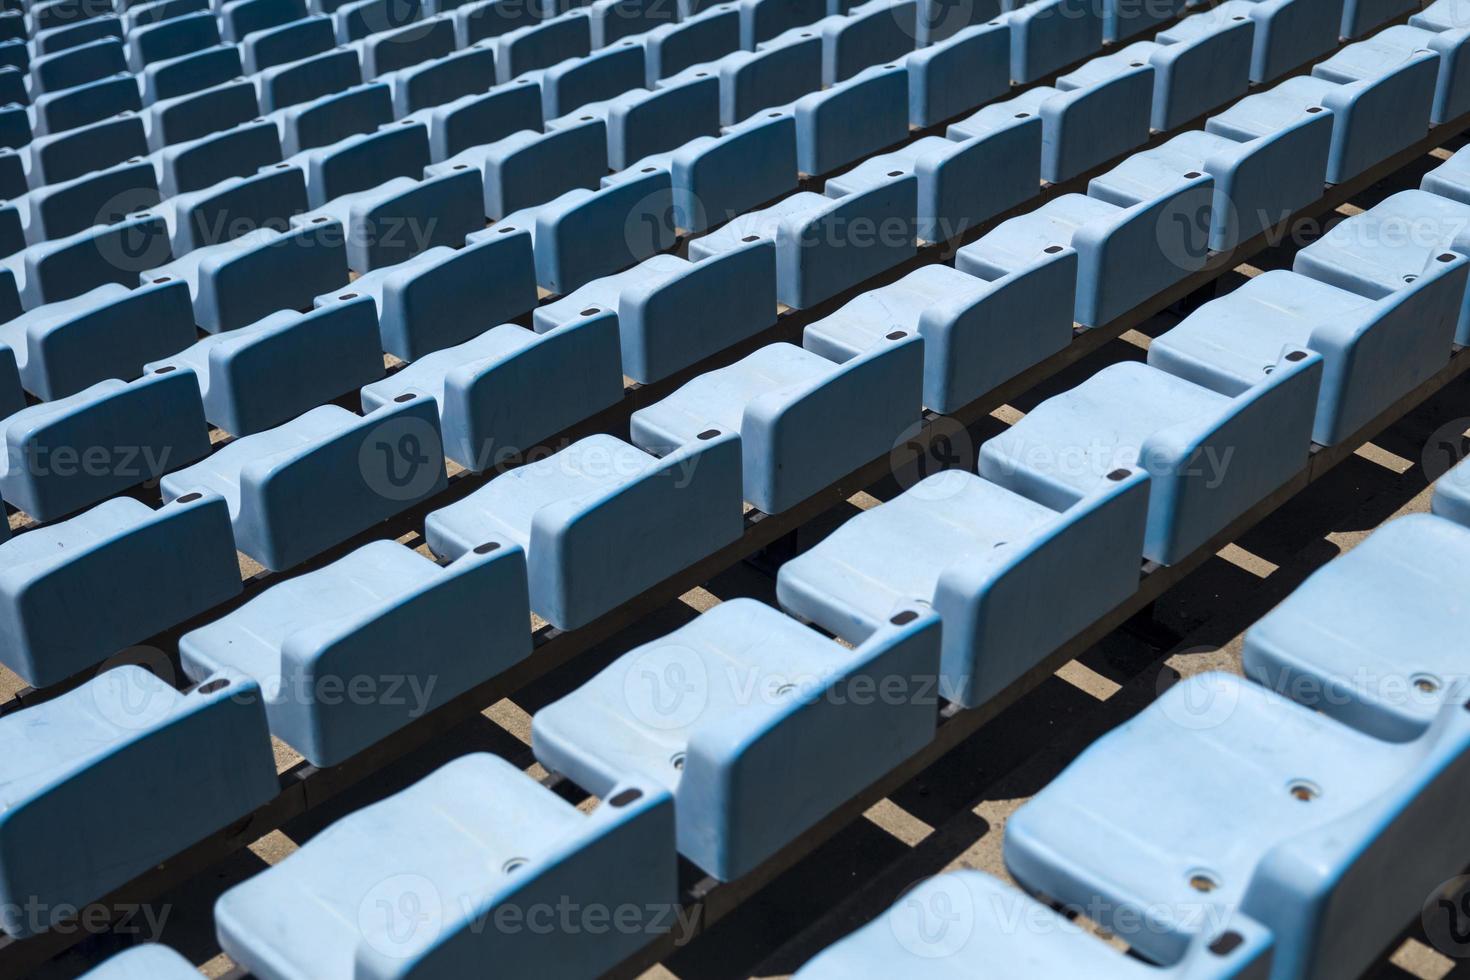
[151, 961]
[402, 217]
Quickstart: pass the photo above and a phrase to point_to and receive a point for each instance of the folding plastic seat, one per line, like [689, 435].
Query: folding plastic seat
[109, 332]
[12, 398]
[70, 453]
[171, 39]
[64, 208]
[867, 34]
[56, 112]
[1288, 33]
[1128, 18]
[196, 164]
[476, 837]
[325, 120]
[1378, 342]
[1452, 495]
[15, 53]
[735, 291]
[777, 73]
[167, 767]
[61, 268]
[542, 45]
[401, 218]
[267, 373]
[1452, 86]
[959, 73]
[285, 43]
[210, 110]
[142, 569]
[1265, 170]
[357, 19]
[242, 280]
[827, 244]
[1048, 35]
[314, 482]
[234, 207]
[313, 77]
[907, 941]
[601, 520]
[802, 738]
[709, 35]
[643, 122]
[530, 167]
[13, 86]
[491, 18]
[72, 35]
[77, 66]
[1092, 116]
[96, 146]
[157, 11]
[475, 120]
[361, 162]
[190, 73]
[1317, 811]
[583, 235]
[404, 47]
[46, 16]
[578, 81]
[852, 119]
[440, 80]
[761, 20]
[614, 20]
[150, 961]
[1200, 64]
[967, 322]
[239, 18]
[13, 25]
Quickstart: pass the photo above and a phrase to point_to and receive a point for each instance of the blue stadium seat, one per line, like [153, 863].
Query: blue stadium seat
[312, 77]
[982, 553]
[171, 38]
[1124, 19]
[359, 19]
[324, 120]
[12, 398]
[583, 235]
[1093, 115]
[734, 291]
[56, 112]
[110, 332]
[805, 422]
[262, 375]
[967, 320]
[1445, 22]
[508, 389]
[814, 234]
[237, 282]
[362, 161]
[1452, 495]
[643, 122]
[140, 570]
[762, 20]
[70, 453]
[1200, 64]
[401, 218]
[472, 838]
[321, 478]
[1049, 35]
[60, 13]
[1211, 455]
[445, 296]
[959, 73]
[580, 80]
[57, 210]
[866, 34]
[59, 269]
[72, 35]
[803, 737]
[199, 163]
[234, 207]
[389, 51]
[530, 167]
[77, 66]
[705, 37]
[1288, 33]
[150, 961]
[285, 43]
[614, 20]
[1338, 643]
[601, 520]
[776, 73]
[443, 79]
[383, 612]
[14, 53]
[1361, 16]
[240, 18]
[189, 73]
[186, 117]
[18, 125]
[490, 18]
[1317, 810]
[1133, 240]
[473, 120]
[852, 119]
[541, 45]
[156, 11]
[172, 766]
[909, 941]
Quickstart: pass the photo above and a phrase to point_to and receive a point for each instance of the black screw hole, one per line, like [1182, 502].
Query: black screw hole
[1193, 174]
[904, 618]
[407, 396]
[1297, 355]
[1447, 257]
[751, 238]
[165, 369]
[348, 296]
[1314, 108]
[1052, 249]
[1118, 475]
[897, 335]
[1227, 942]
[625, 797]
[709, 433]
[487, 547]
[213, 686]
[188, 498]
[591, 310]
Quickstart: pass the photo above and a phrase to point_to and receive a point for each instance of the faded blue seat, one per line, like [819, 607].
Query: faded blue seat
[171, 38]
[61, 268]
[63, 455]
[307, 79]
[1452, 495]
[443, 79]
[957, 74]
[815, 260]
[482, 831]
[1200, 64]
[1132, 240]
[284, 43]
[62, 156]
[907, 941]
[601, 520]
[508, 389]
[199, 163]
[987, 555]
[298, 489]
[139, 570]
[1452, 44]
[1362, 16]
[1341, 641]
[1378, 341]
[150, 961]
[804, 739]
[383, 612]
[242, 280]
[967, 319]
[711, 34]
[56, 112]
[583, 234]
[474, 120]
[77, 66]
[577, 81]
[65, 36]
[392, 50]
[109, 332]
[235, 206]
[865, 34]
[761, 20]
[267, 373]
[12, 398]
[98, 198]
[643, 122]
[776, 73]
[61, 13]
[401, 218]
[613, 20]
[240, 18]
[1316, 810]
[173, 768]
[186, 117]
[1211, 455]
[735, 292]
[804, 421]
[530, 167]
[362, 161]
[1288, 33]
[1049, 35]
[852, 119]
[488, 18]
[444, 296]
[155, 11]
[18, 124]
[1123, 19]
[325, 120]
[983, 166]
[542, 45]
